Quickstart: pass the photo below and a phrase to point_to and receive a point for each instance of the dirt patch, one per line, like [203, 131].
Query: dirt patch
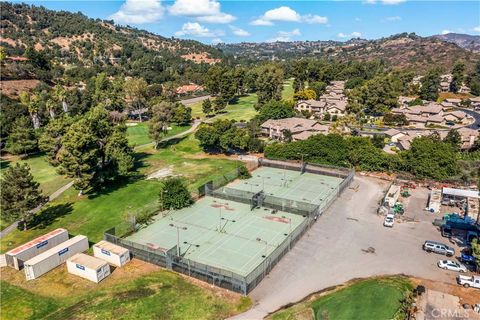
[470, 296]
[162, 173]
[13, 88]
[200, 57]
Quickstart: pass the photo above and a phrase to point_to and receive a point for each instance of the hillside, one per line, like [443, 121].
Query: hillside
[74, 39]
[465, 41]
[402, 50]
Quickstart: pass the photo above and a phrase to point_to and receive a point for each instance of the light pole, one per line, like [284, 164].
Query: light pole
[227, 221]
[264, 256]
[178, 236]
[289, 231]
[263, 181]
[303, 154]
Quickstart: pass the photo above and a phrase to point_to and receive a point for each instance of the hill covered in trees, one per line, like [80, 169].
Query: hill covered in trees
[402, 51]
[66, 39]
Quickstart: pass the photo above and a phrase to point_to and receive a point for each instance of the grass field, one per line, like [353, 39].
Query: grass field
[135, 291]
[92, 215]
[287, 93]
[242, 109]
[367, 299]
[138, 134]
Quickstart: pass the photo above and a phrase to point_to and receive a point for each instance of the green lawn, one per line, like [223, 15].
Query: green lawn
[287, 93]
[155, 295]
[138, 134]
[92, 215]
[368, 299]
[241, 110]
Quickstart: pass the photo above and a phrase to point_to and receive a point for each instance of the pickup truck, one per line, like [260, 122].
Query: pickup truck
[469, 281]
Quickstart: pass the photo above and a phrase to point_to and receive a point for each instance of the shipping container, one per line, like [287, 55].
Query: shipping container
[88, 267]
[54, 257]
[16, 257]
[113, 254]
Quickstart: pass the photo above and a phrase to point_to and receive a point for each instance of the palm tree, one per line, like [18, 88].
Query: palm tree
[61, 95]
[287, 135]
[31, 103]
[50, 105]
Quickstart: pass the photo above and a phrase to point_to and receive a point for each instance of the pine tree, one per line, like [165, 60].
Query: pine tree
[457, 76]
[430, 85]
[207, 107]
[22, 139]
[20, 194]
[162, 114]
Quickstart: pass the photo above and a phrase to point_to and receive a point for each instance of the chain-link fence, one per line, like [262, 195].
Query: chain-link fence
[225, 278]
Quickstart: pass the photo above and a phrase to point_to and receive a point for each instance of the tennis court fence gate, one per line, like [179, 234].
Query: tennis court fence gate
[225, 278]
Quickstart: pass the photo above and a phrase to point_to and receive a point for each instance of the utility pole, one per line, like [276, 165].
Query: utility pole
[178, 236]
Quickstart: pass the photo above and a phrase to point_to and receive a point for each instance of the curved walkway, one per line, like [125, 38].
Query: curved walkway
[194, 126]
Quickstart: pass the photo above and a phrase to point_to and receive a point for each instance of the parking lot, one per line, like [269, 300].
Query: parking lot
[349, 241]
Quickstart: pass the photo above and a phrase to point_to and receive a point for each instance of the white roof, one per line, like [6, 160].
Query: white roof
[461, 193]
[111, 247]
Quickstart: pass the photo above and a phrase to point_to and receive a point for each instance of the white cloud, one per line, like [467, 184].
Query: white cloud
[219, 18]
[314, 19]
[394, 18]
[197, 30]
[284, 36]
[138, 12]
[358, 19]
[287, 14]
[477, 29]
[207, 11]
[446, 31]
[239, 32]
[354, 34]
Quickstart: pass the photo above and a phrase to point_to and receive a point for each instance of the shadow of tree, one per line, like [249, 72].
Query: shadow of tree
[4, 164]
[170, 142]
[49, 215]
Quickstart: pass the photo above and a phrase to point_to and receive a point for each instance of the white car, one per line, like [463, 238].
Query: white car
[452, 265]
[389, 219]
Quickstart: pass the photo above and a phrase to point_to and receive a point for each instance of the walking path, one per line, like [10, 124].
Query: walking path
[194, 100]
[52, 197]
[195, 124]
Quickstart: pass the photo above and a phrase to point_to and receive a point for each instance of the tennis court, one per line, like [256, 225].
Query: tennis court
[291, 185]
[221, 233]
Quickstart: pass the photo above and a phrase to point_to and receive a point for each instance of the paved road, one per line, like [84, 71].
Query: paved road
[52, 197]
[194, 100]
[474, 114]
[334, 250]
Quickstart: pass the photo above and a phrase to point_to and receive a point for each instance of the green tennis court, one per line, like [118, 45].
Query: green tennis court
[221, 233]
[290, 185]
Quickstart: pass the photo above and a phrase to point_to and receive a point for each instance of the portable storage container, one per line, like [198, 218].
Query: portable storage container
[113, 254]
[16, 257]
[88, 267]
[54, 257]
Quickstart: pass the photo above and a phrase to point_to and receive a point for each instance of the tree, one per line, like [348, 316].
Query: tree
[51, 105]
[306, 94]
[20, 193]
[457, 76]
[174, 194]
[430, 158]
[327, 116]
[207, 107]
[3, 55]
[275, 110]
[50, 140]
[473, 80]
[269, 83]
[60, 95]
[319, 87]
[182, 115]
[454, 139]
[476, 252]
[22, 138]
[430, 85]
[392, 119]
[136, 93]
[31, 103]
[219, 105]
[287, 135]
[208, 136]
[162, 114]
[95, 150]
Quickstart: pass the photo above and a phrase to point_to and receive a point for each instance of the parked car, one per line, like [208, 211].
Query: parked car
[469, 281]
[467, 258]
[437, 247]
[452, 266]
[389, 220]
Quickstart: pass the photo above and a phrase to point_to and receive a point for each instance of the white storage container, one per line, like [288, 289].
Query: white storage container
[16, 257]
[88, 267]
[54, 257]
[113, 254]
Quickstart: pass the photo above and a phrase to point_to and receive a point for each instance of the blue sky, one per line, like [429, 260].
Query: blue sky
[212, 21]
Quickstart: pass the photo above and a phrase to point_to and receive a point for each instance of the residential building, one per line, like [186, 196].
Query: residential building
[469, 136]
[394, 134]
[299, 128]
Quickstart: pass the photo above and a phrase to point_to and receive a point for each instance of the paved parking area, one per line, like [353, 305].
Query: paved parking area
[349, 241]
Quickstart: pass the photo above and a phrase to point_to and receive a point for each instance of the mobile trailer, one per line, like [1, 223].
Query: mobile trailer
[16, 257]
[113, 254]
[54, 257]
[88, 267]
